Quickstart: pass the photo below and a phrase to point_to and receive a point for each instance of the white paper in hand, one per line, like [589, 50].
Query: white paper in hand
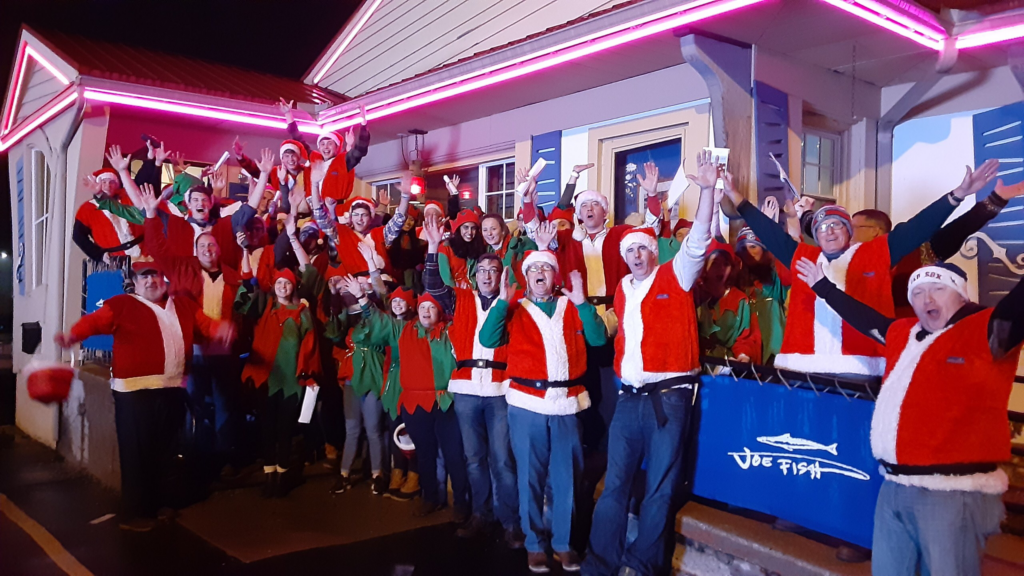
[784, 176]
[308, 404]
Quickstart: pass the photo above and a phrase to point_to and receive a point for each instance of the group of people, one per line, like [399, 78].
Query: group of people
[526, 365]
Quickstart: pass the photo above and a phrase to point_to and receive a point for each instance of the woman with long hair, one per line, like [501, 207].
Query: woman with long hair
[766, 284]
[457, 256]
[499, 240]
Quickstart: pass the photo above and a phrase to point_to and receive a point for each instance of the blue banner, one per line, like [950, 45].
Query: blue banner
[798, 455]
[99, 286]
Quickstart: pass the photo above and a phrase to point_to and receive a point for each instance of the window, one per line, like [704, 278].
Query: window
[629, 198]
[821, 163]
[498, 188]
[40, 213]
[391, 188]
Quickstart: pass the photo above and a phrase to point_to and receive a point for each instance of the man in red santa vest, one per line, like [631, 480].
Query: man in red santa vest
[479, 386]
[107, 224]
[153, 335]
[816, 338]
[547, 338]
[658, 359]
[939, 425]
[357, 217]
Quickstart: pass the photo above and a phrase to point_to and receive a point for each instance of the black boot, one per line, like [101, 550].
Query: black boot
[270, 486]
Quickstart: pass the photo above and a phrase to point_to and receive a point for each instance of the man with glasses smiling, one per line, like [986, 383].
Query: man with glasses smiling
[479, 385]
[816, 338]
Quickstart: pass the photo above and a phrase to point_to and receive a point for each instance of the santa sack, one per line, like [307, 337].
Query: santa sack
[48, 382]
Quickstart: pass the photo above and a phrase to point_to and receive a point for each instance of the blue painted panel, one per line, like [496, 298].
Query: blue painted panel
[771, 135]
[19, 272]
[549, 183]
[100, 285]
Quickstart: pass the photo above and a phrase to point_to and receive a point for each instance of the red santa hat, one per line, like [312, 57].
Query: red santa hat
[433, 205]
[589, 196]
[943, 273]
[48, 382]
[539, 257]
[296, 147]
[335, 136]
[466, 217]
[644, 236]
[287, 275]
[681, 224]
[559, 214]
[106, 174]
[347, 207]
[405, 294]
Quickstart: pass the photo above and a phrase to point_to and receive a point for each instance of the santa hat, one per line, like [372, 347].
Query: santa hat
[106, 174]
[286, 274]
[466, 217]
[539, 257]
[559, 214]
[642, 236]
[747, 236]
[405, 294]
[335, 136]
[412, 213]
[48, 382]
[433, 205]
[296, 147]
[589, 196]
[717, 247]
[944, 273]
[832, 212]
[347, 207]
[680, 224]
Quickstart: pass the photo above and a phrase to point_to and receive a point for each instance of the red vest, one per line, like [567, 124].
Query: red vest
[338, 181]
[816, 338]
[109, 230]
[348, 251]
[944, 399]
[181, 235]
[570, 257]
[657, 328]
[542, 348]
[464, 333]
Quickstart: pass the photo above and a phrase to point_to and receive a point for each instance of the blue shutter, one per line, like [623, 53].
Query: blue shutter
[19, 271]
[549, 184]
[771, 135]
[999, 134]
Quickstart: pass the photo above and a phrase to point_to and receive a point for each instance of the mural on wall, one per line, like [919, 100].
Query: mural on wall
[999, 246]
[666, 155]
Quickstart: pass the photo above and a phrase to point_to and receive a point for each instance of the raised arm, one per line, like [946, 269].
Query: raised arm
[594, 330]
[360, 143]
[948, 240]
[862, 317]
[285, 107]
[689, 261]
[649, 184]
[293, 239]
[156, 240]
[775, 238]
[94, 324]
[123, 164]
[432, 281]
[565, 201]
[394, 226]
[494, 333]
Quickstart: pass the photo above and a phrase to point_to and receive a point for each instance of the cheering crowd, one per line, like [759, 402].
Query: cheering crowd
[523, 365]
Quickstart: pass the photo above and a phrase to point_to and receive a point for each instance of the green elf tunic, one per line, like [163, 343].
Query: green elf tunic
[422, 361]
[728, 328]
[513, 250]
[769, 304]
[456, 272]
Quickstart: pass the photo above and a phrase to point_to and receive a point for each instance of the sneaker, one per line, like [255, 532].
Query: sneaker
[476, 526]
[514, 538]
[138, 524]
[379, 486]
[341, 484]
[569, 559]
[537, 562]
[425, 508]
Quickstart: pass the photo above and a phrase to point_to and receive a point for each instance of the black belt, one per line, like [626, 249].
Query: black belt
[601, 300]
[547, 384]
[941, 469]
[655, 389]
[482, 364]
[126, 246]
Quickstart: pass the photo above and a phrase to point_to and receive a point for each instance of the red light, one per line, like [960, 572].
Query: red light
[416, 186]
[467, 194]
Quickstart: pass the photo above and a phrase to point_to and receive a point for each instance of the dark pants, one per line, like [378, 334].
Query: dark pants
[432, 432]
[148, 423]
[217, 377]
[633, 436]
[279, 418]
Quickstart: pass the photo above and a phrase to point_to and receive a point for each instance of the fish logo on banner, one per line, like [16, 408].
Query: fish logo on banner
[792, 463]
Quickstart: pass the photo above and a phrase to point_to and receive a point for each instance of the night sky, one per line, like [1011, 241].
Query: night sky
[275, 36]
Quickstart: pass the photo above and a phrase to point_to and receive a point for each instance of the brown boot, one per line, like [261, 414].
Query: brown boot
[410, 489]
[395, 486]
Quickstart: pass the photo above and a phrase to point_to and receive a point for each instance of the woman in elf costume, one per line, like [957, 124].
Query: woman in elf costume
[457, 256]
[728, 327]
[511, 249]
[283, 360]
[766, 283]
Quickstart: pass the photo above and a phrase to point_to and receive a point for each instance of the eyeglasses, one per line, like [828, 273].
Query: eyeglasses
[489, 271]
[829, 226]
[534, 268]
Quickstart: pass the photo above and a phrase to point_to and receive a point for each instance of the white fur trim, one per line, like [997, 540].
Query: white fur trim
[539, 257]
[637, 237]
[552, 334]
[289, 147]
[995, 482]
[886, 418]
[174, 352]
[482, 382]
[590, 195]
[486, 389]
[108, 176]
[938, 275]
[329, 136]
[632, 366]
[556, 402]
[832, 364]
[124, 233]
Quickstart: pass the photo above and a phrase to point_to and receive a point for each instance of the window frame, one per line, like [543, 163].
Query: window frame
[835, 166]
[40, 170]
[482, 192]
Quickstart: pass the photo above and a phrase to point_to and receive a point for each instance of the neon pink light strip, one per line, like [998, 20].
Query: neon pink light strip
[180, 107]
[990, 36]
[348, 40]
[925, 28]
[623, 37]
[52, 69]
[49, 113]
[19, 73]
[914, 33]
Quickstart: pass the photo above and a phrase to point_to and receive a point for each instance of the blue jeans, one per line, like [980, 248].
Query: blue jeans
[633, 436]
[546, 448]
[217, 377]
[484, 425]
[363, 412]
[940, 533]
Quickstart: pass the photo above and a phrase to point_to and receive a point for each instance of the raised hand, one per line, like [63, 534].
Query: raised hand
[384, 197]
[809, 272]
[368, 254]
[580, 168]
[707, 171]
[118, 162]
[91, 184]
[804, 204]
[240, 240]
[149, 200]
[178, 164]
[977, 179]
[350, 138]
[522, 175]
[285, 107]
[238, 147]
[282, 173]
[545, 234]
[575, 295]
[266, 161]
[219, 180]
[352, 286]
[295, 197]
[505, 289]
[452, 185]
[1009, 192]
[289, 222]
[650, 180]
[432, 232]
[318, 171]
[362, 115]
[771, 208]
[730, 190]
